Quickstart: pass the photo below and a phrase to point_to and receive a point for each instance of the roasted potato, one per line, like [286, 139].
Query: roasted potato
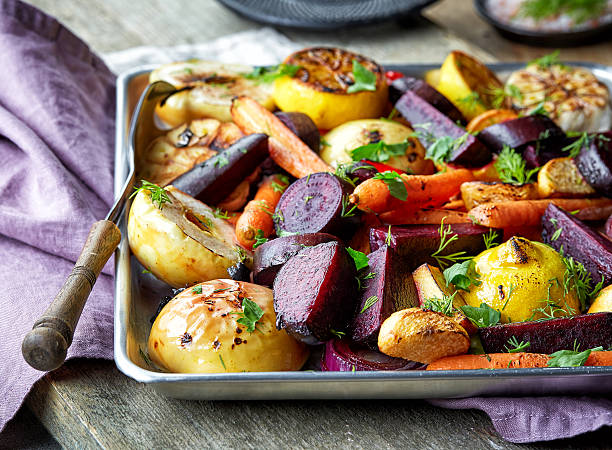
[422, 336]
[181, 242]
[603, 301]
[199, 331]
[560, 177]
[475, 193]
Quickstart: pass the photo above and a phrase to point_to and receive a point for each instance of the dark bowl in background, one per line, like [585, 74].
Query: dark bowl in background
[545, 39]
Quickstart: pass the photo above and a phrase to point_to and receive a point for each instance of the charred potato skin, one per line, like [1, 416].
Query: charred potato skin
[475, 193]
[421, 335]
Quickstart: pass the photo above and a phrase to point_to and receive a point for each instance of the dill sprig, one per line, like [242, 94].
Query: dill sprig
[446, 238]
[158, 194]
[510, 166]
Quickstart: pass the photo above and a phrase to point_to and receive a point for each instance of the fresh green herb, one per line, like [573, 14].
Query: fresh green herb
[444, 305]
[511, 290]
[222, 362]
[510, 166]
[250, 314]
[539, 110]
[278, 187]
[221, 161]
[394, 182]
[514, 346]
[552, 59]
[370, 301]
[471, 101]
[364, 79]
[278, 217]
[489, 238]
[324, 143]
[579, 10]
[348, 209]
[392, 114]
[571, 358]
[444, 260]
[389, 238]
[360, 259]
[197, 290]
[363, 277]
[575, 147]
[259, 239]
[188, 70]
[556, 234]
[145, 357]
[282, 233]
[576, 276]
[158, 194]
[267, 74]
[216, 291]
[481, 316]
[338, 334]
[240, 253]
[353, 368]
[146, 271]
[462, 275]
[551, 310]
[574, 212]
[380, 151]
[422, 132]
[442, 148]
[220, 213]
[343, 170]
[501, 94]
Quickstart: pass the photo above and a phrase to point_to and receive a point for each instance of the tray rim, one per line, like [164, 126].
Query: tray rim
[132, 370]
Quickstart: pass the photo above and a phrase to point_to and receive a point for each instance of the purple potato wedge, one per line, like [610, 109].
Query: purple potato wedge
[595, 163]
[317, 203]
[303, 127]
[214, 179]
[428, 93]
[315, 293]
[579, 241]
[518, 133]
[586, 330]
[414, 244]
[432, 124]
[270, 256]
[391, 289]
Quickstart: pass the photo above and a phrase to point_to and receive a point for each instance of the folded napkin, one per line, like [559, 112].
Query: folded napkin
[56, 146]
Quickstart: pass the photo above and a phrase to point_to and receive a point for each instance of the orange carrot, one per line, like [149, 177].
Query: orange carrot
[488, 118]
[373, 195]
[509, 361]
[424, 216]
[258, 212]
[286, 149]
[529, 212]
[457, 205]
[237, 197]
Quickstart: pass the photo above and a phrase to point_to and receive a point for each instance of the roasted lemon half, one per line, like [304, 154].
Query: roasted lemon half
[332, 86]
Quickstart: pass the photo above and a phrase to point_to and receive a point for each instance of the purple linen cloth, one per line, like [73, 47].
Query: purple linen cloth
[57, 105]
[56, 158]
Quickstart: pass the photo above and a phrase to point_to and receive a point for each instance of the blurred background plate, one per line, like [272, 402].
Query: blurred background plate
[544, 38]
[325, 14]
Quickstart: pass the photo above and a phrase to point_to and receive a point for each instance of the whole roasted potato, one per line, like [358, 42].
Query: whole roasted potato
[201, 331]
[181, 241]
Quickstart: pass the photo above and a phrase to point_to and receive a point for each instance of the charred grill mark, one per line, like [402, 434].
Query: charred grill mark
[518, 250]
[186, 339]
[373, 136]
[216, 344]
[184, 138]
[502, 295]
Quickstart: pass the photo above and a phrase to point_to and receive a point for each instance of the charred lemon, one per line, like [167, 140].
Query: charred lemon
[468, 83]
[332, 86]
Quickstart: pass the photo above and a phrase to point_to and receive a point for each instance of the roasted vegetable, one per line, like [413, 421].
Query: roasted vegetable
[603, 301]
[595, 163]
[332, 86]
[518, 133]
[475, 193]
[315, 293]
[222, 326]
[214, 179]
[580, 242]
[303, 127]
[343, 355]
[560, 177]
[488, 118]
[318, 203]
[584, 331]
[271, 255]
[387, 289]
[422, 336]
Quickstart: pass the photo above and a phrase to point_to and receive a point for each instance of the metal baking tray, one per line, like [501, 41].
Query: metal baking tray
[137, 296]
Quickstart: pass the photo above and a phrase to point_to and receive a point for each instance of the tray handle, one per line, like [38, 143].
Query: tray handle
[45, 346]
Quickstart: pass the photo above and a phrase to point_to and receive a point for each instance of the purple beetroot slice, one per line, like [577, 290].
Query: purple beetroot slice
[315, 204]
[579, 241]
[428, 93]
[315, 293]
[341, 355]
[303, 127]
[595, 163]
[270, 256]
[427, 120]
[391, 289]
[517, 133]
[586, 330]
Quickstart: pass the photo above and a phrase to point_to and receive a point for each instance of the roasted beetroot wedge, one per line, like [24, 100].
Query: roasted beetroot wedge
[428, 93]
[414, 244]
[391, 289]
[315, 293]
[417, 111]
[270, 256]
[342, 355]
[317, 203]
[595, 163]
[214, 179]
[579, 241]
[587, 331]
[518, 133]
[303, 127]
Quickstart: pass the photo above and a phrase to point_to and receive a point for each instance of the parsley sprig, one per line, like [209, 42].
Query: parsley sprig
[481, 316]
[549, 60]
[259, 239]
[250, 314]
[571, 358]
[267, 74]
[441, 150]
[158, 194]
[364, 79]
[462, 275]
[380, 151]
[394, 182]
[510, 166]
[359, 258]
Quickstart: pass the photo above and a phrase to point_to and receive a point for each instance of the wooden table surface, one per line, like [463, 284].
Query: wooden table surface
[90, 404]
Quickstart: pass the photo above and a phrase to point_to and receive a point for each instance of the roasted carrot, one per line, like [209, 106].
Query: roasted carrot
[529, 212]
[488, 118]
[509, 361]
[457, 205]
[373, 195]
[258, 212]
[237, 198]
[424, 216]
[286, 149]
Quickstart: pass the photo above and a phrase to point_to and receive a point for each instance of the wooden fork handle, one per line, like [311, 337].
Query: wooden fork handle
[45, 346]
